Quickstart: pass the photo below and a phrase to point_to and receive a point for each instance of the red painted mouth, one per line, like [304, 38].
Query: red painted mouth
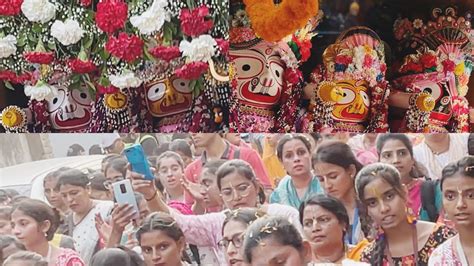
[73, 124]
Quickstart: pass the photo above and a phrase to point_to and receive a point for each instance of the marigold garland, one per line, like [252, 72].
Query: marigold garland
[274, 22]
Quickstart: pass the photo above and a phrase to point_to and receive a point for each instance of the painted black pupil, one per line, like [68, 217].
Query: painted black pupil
[277, 73]
[157, 90]
[182, 84]
[246, 67]
[55, 100]
[429, 90]
[83, 95]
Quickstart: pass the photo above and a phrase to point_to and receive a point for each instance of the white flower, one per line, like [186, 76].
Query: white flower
[7, 46]
[418, 23]
[38, 10]
[153, 19]
[199, 49]
[41, 91]
[67, 32]
[126, 80]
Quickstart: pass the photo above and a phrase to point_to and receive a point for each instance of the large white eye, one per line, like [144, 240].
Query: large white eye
[157, 91]
[248, 67]
[348, 96]
[181, 85]
[365, 98]
[277, 71]
[82, 97]
[57, 101]
[431, 87]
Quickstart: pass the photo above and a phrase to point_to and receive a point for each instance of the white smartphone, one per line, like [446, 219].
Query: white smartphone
[124, 194]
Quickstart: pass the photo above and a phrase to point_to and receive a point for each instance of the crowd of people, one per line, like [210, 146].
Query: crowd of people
[271, 199]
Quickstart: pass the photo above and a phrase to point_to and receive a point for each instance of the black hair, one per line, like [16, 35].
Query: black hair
[169, 154]
[337, 153]
[97, 180]
[75, 150]
[55, 174]
[464, 166]
[242, 168]
[33, 258]
[418, 170]
[118, 164]
[330, 204]
[6, 212]
[7, 240]
[182, 146]
[73, 177]
[116, 256]
[288, 137]
[366, 175]
[95, 149]
[275, 227]
[212, 166]
[244, 215]
[40, 212]
[160, 221]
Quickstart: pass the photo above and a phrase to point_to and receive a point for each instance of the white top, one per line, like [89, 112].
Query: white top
[435, 163]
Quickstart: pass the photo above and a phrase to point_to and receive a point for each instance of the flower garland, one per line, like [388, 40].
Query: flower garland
[274, 22]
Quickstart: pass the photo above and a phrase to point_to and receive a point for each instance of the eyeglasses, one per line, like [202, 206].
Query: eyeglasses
[242, 190]
[108, 183]
[237, 241]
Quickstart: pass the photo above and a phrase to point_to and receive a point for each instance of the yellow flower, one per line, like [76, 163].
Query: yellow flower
[459, 70]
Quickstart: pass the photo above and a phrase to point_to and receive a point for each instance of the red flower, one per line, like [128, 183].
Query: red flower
[193, 22]
[448, 65]
[107, 90]
[81, 67]
[12, 77]
[292, 76]
[10, 7]
[368, 60]
[305, 50]
[85, 2]
[125, 47]
[428, 61]
[166, 53]
[223, 46]
[343, 60]
[412, 67]
[192, 70]
[383, 68]
[111, 15]
[39, 57]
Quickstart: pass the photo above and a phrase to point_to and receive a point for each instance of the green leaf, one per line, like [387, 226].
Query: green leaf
[9, 85]
[148, 56]
[88, 42]
[21, 41]
[52, 46]
[37, 28]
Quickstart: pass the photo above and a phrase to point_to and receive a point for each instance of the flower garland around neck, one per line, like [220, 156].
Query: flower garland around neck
[274, 22]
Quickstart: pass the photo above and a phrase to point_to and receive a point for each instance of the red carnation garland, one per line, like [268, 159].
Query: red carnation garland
[166, 53]
[192, 71]
[194, 23]
[223, 46]
[125, 47]
[107, 89]
[111, 15]
[85, 3]
[12, 77]
[10, 7]
[44, 58]
[82, 67]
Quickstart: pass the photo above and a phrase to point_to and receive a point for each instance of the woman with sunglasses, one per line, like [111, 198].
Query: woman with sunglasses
[239, 188]
[336, 166]
[74, 187]
[401, 240]
[457, 184]
[294, 152]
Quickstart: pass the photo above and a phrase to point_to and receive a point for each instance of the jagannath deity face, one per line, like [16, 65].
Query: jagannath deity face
[439, 90]
[259, 73]
[168, 96]
[70, 109]
[355, 103]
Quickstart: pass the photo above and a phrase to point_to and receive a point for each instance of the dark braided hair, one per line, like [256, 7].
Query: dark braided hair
[464, 166]
[366, 175]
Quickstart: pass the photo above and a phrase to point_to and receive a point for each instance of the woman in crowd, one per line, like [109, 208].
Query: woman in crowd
[5, 218]
[170, 169]
[457, 184]
[275, 241]
[52, 194]
[74, 187]
[233, 231]
[424, 196]
[161, 240]
[294, 151]
[98, 189]
[336, 166]
[25, 258]
[34, 224]
[401, 240]
[114, 171]
[325, 223]
[239, 188]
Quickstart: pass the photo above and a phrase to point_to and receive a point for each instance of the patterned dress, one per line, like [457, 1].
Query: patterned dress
[69, 257]
[440, 234]
[450, 253]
